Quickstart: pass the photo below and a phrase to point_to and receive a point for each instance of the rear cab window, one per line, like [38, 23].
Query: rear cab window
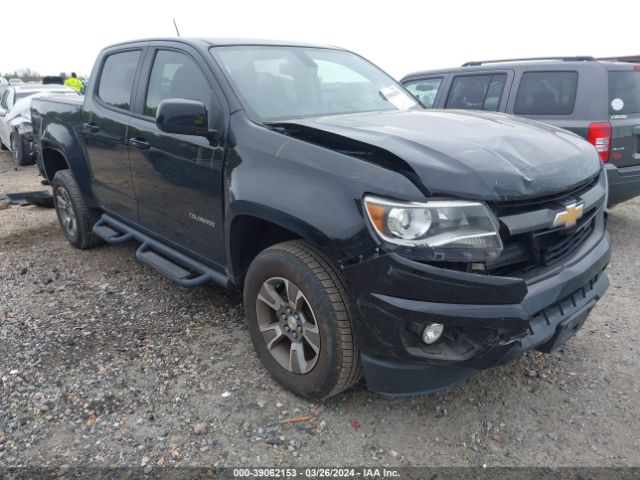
[425, 90]
[624, 92]
[477, 92]
[546, 93]
[116, 78]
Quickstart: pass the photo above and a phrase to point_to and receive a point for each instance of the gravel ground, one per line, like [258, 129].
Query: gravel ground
[103, 362]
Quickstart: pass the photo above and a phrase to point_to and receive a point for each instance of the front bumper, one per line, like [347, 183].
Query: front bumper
[490, 320]
[624, 183]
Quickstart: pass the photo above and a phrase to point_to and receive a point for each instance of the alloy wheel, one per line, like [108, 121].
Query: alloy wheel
[288, 325]
[66, 212]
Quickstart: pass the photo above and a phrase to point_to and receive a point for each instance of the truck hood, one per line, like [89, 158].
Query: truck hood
[471, 154]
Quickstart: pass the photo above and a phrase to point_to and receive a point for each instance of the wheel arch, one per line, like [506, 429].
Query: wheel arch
[253, 228]
[52, 162]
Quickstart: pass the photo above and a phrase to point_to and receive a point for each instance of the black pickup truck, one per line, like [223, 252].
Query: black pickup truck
[371, 236]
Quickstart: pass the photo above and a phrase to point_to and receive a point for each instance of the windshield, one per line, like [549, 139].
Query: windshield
[277, 83]
[624, 92]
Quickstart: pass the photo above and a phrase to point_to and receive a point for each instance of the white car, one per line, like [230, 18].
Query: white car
[16, 131]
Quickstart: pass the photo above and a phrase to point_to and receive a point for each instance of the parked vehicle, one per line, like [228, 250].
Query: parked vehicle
[16, 131]
[4, 84]
[370, 235]
[53, 80]
[598, 100]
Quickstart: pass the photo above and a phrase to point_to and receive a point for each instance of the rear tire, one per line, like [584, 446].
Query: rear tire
[75, 217]
[19, 150]
[294, 280]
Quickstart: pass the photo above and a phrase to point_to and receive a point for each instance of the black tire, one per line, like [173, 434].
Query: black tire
[19, 151]
[337, 363]
[68, 201]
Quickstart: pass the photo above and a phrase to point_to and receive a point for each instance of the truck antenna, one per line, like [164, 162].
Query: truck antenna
[176, 25]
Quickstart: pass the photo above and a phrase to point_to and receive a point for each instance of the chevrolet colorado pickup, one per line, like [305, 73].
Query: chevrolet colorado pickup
[371, 237]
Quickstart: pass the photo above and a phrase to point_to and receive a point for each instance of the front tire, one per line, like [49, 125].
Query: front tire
[19, 150]
[75, 217]
[300, 322]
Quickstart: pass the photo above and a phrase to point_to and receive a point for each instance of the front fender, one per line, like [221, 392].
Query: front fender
[310, 190]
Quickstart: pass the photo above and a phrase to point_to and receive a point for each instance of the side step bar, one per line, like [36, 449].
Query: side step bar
[178, 267]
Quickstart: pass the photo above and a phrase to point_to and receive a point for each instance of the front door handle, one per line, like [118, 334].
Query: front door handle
[91, 127]
[139, 143]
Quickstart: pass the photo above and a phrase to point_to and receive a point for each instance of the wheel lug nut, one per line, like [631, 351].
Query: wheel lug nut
[299, 328]
[287, 328]
[295, 335]
[283, 316]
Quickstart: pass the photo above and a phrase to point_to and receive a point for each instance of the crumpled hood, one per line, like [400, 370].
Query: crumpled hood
[477, 155]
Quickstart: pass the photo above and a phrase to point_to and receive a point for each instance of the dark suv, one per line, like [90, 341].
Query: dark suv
[598, 100]
[371, 236]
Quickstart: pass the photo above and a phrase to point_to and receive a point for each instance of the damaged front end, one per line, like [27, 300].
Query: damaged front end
[535, 295]
[20, 123]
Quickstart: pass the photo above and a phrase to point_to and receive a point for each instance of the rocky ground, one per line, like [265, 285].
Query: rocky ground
[104, 362]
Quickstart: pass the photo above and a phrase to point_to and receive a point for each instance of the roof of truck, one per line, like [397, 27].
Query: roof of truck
[200, 42]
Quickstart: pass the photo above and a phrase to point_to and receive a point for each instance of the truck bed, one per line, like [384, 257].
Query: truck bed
[67, 109]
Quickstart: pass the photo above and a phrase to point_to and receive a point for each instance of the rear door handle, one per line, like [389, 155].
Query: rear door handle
[139, 143]
[91, 127]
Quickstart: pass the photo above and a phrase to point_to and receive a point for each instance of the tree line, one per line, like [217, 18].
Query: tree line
[29, 75]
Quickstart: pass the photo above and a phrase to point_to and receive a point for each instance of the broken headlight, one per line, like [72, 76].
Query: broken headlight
[440, 230]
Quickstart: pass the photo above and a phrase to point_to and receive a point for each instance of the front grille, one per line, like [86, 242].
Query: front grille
[554, 245]
[527, 251]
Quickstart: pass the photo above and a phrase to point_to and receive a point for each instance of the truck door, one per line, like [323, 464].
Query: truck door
[178, 178]
[105, 120]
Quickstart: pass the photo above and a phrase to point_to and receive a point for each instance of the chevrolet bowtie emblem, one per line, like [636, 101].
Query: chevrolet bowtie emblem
[569, 216]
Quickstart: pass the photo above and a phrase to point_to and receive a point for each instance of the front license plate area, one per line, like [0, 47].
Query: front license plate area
[564, 331]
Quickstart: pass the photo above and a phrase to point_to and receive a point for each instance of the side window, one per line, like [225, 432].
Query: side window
[3, 102]
[175, 75]
[546, 93]
[494, 92]
[425, 90]
[476, 92]
[116, 79]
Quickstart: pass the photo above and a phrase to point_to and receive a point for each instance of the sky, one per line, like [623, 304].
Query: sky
[399, 36]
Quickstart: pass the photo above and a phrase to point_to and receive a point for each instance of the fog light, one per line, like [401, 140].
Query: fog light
[432, 333]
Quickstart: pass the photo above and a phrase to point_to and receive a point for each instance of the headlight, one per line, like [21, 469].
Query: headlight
[443, 230]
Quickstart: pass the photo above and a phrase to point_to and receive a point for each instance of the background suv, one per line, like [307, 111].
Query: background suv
[598, 100]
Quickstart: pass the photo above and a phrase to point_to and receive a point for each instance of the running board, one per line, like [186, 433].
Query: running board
[178, 267]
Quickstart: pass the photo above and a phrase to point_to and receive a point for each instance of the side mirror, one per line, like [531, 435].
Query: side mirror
[187, 117]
